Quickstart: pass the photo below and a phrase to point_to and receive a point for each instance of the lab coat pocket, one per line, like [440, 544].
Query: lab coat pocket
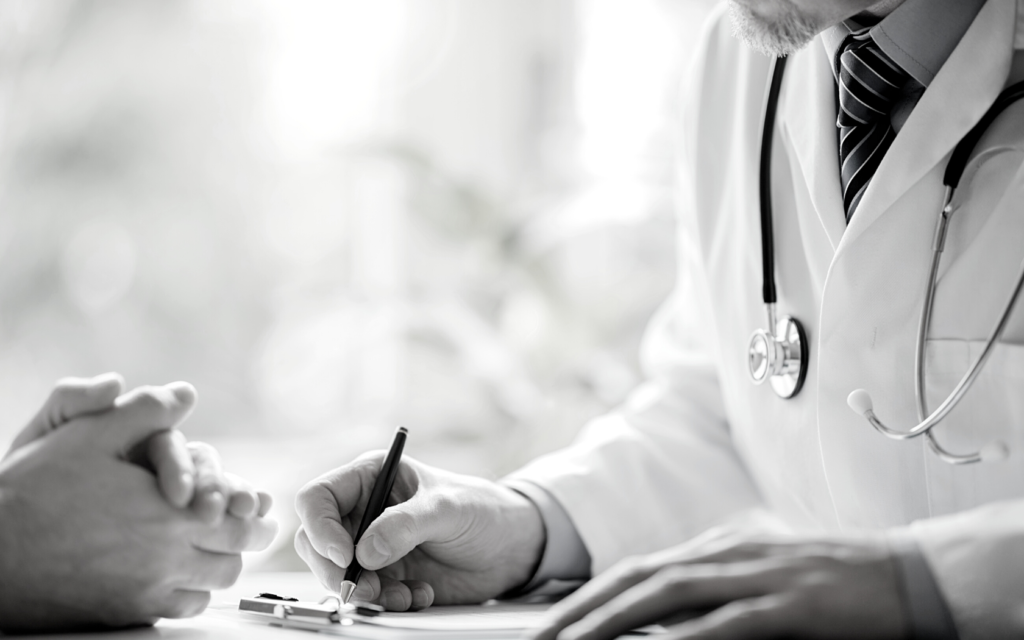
[991, 410]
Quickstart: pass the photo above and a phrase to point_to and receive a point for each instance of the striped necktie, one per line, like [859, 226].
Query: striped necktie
[869, 83]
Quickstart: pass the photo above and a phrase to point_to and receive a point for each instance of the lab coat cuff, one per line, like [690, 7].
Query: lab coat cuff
[565, 561]
[927, 611]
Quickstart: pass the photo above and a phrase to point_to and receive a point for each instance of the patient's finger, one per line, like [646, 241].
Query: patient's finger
[139, 414]
[172, 463]
[205, 571]
[235, 535]
[266, 503]
[243, 501]
[183, 603]
[212, 487]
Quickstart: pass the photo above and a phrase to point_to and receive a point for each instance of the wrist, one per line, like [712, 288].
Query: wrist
[527, 535]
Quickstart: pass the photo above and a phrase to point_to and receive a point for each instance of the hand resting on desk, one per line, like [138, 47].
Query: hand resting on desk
[444, 538]
[748, 586]
[88, 535]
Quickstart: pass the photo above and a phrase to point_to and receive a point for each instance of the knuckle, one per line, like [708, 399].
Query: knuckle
[676, 578]
[205, 457]
[370, 458]
[445, 502]
[403, 528]
[301, 542]
[65, 385]
[307, 498]
[631, 567]
[204, 449]
[155, 402]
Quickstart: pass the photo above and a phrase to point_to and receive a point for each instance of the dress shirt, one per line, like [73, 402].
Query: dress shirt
[919, 35]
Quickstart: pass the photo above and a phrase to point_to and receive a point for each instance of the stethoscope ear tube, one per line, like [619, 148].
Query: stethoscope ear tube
[771, 106]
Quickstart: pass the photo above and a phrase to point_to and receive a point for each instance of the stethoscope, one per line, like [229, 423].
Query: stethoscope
[780, 354]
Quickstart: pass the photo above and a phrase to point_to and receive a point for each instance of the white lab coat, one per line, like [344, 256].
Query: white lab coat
[699, 444]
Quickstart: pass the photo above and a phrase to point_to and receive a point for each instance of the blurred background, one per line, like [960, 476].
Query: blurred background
[335, 216]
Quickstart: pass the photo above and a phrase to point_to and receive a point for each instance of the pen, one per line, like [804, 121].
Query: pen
[374, 507]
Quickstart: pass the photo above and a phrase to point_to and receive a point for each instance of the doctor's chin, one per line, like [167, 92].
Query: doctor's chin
[546, 319]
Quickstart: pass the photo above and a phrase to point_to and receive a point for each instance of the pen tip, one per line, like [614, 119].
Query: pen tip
[345, 591]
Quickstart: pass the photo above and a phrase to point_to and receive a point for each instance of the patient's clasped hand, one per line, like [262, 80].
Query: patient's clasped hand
[108, 517]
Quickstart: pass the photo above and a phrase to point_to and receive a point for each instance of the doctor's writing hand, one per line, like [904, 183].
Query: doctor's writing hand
[444, 538]
[189, 474]
[87, 539]
[730, 586]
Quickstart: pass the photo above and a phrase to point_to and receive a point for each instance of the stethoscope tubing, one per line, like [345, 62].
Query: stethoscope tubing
[859, 400]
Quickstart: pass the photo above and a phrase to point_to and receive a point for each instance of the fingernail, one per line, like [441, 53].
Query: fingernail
[376, 550]
[337, 557]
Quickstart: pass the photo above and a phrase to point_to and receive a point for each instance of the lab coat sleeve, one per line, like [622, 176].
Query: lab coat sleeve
[661, 468]
[977, 557]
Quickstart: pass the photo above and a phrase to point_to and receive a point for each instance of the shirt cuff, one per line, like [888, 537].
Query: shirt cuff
[565, 561]
[928, 613]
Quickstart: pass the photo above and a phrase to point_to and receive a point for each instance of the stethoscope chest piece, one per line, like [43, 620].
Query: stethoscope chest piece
[779, 357]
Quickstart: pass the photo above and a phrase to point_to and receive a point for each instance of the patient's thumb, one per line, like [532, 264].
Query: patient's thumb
[144, 411]
[72, 398]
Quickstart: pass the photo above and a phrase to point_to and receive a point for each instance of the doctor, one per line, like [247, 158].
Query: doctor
[706, 493]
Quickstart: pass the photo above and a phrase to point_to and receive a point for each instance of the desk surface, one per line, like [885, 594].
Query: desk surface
[214, 623]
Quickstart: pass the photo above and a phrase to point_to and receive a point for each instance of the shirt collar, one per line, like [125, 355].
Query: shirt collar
[918, 35]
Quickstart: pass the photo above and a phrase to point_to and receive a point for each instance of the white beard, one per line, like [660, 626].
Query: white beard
[782, 36]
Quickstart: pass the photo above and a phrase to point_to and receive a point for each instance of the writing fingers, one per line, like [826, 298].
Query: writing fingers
[321, 513]
[405, 595]
[330, 574]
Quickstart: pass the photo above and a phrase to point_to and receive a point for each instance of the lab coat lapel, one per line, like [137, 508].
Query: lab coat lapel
[808, 116]
[958, 97]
